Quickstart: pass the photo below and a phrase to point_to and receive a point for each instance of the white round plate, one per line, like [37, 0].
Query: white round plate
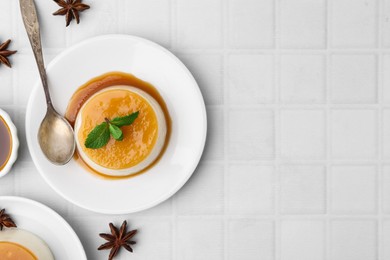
[46, 224]
[147, 61]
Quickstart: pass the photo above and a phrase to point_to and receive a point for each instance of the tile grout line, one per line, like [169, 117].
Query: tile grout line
[379, 165]
[13, 77]
[380, 91]
[327, 234]
[277, 130]
[334, 50]
[225, 64]
[13, 80]
[16, 81]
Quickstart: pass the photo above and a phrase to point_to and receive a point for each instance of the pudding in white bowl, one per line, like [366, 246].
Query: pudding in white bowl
[143, 140]
[17, 244]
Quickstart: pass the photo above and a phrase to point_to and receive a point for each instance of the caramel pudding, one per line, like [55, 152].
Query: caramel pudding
[13, 251]
[143, 140]
[115, 95]
[19, 244]
[5, 143]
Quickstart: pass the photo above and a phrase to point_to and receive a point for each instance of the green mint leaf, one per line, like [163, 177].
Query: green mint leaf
[98, 137]
[125, 120]
[116, 132]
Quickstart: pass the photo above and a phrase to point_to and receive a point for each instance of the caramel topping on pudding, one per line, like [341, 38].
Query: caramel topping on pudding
[13, 251]
[139, 138]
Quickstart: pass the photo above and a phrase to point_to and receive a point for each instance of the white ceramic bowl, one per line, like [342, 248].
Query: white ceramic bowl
[15, 143]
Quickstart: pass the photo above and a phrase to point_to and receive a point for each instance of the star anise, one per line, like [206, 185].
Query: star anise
[71, 9]
[5, 220]
[4, 53]
[117, 239]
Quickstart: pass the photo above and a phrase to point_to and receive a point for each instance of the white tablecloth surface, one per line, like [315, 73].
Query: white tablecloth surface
[297, 163]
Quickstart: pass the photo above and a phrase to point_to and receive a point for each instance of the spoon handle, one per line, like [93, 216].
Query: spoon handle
[31, 23]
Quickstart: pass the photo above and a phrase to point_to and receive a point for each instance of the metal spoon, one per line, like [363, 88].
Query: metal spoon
[55, 135]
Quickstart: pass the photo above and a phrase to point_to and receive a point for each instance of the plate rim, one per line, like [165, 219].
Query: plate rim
[196, 161]
[51, 211]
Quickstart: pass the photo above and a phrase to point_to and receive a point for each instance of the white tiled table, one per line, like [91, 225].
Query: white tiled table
[297, 165]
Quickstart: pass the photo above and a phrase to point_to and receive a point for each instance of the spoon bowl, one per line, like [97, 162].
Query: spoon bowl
[56, 138]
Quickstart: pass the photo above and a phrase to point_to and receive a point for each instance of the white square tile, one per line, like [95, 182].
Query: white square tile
[251, 134]
[251, 23]
[199, 23]
[386, 78]
[353, 189]
[250, 79]
[302, 189]
[303, 240]
[302, 78]
[6, 87]
[30, 184]
[353, 239]
[386, 133]
[253, 239]
[386, 189]
[353, 23]
[163, 209]
[204, 193]
[5, 21]
[302, 134]
[102, 18]
[385, 19]
[214, 149]
[250, 189]
[26, 76]
[155, 246]
[303, 23]
[53, 28]
[353, 133]
[353, 79]
[54, 36]
[207, 70]
[199, 239]
[88, 230]
[8, 183]
[386, 239]
[76, 211]
[149, 19]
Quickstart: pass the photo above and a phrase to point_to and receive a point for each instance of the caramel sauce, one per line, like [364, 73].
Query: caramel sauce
[5, 143]
[108, 80]
[13, 251]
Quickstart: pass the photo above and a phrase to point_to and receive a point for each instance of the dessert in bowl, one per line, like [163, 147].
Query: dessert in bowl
[104, 143]
[142, 141]
[16, 244]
